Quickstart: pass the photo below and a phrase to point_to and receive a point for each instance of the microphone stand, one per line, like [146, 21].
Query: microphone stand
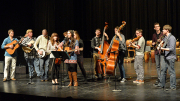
[115, 90]
[91, 67]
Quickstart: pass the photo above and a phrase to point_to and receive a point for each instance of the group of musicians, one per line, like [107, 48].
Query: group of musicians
[165, 55]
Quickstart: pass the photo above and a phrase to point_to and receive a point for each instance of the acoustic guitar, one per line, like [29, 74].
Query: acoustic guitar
[67, 49]
[16, 45]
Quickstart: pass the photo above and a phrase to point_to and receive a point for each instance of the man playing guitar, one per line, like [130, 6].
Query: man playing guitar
[169, 48]
[9, 58]
[42, 41]
[31, 58]
[159, 58]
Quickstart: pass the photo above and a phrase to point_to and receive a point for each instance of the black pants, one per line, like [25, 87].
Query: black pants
[72, 67]
[81, 66]
[55, 70]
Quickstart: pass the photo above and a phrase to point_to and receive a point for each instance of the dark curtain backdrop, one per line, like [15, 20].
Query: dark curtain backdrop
[85, 16]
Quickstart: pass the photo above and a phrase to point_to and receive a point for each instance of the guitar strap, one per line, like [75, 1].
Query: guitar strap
[165, 43]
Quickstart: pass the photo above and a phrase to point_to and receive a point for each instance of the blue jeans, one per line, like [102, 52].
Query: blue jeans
[169, 64]
[120, 63]
[44, 67]
[160, 62]
[31, 62]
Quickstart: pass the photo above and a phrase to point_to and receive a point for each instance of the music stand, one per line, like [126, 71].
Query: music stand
[63, 55]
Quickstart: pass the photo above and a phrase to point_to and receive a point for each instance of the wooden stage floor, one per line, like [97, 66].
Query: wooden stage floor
[99, 90]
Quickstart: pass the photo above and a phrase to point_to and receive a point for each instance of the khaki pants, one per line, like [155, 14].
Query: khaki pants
[95, 57]
[9, 60]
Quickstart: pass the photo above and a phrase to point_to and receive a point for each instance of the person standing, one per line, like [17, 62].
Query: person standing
[169, 48]
[122, 48]
[138, 62]
[71, 64]
[31, 58]
[41, 43]
[95, 43]
[80, 56]
[159, 58]
[9, 59]
[52, 46]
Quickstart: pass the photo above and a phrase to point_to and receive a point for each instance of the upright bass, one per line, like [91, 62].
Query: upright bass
[101, 62]
[112, 60]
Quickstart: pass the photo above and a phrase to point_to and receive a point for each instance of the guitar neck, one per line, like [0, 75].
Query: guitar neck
[74, 50]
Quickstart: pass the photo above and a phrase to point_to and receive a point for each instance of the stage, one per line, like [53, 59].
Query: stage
[99, 90]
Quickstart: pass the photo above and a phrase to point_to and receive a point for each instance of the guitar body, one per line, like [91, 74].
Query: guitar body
[102, 58]
[14, 43]
[27, 49]
[112, 60]
[57, 61]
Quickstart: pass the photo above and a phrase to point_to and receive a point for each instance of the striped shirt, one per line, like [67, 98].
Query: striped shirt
[33, 53]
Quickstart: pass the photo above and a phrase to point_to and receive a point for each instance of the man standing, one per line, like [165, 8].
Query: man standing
[159, 58]
[31, 57]
[95, 43]
[138, 62]
[169, 48]
[9, 59]
[42, 41]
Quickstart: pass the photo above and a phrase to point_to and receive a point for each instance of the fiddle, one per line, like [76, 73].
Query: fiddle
[135, 39]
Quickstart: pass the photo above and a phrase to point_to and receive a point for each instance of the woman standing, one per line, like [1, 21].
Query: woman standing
[80, 56]
[52, 46]
[71, 64]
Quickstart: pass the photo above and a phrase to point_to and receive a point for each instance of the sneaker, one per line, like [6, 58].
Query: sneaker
[140, 81]
[123, 80]
[173, 88]
[4, 80]
[13, 79]
[136, 81]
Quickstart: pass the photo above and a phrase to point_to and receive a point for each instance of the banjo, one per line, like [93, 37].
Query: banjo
[44, 53]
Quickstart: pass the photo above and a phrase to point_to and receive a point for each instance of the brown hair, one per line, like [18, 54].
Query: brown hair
[77, 35]
[52, 40]
[65, 33]
[156, 23]
[98, 29]
[139, 30]
[72, 44]
[167, 27]
[117, 27]
[10, 30]
[29, 30]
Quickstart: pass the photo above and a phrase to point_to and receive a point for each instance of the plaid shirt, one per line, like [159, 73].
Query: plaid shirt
[33, 53]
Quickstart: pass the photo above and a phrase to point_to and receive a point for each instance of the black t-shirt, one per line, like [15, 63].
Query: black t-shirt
[81, 45]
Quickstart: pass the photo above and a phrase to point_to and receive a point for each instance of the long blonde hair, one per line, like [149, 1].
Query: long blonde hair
[77, 35]
[52, 40]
